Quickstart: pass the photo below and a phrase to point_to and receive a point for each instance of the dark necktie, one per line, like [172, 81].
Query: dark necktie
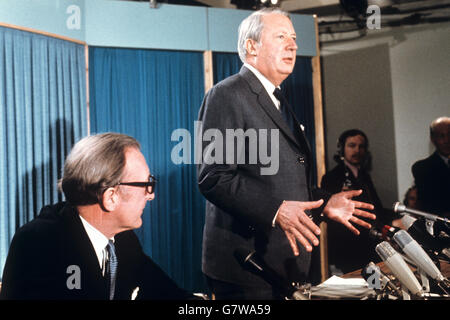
[284, 109]
[111, 268]
[288, 116]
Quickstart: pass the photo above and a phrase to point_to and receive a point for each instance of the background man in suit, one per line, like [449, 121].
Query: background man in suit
[432, 175]
[347, 252]
[85, 249]
[247, 210]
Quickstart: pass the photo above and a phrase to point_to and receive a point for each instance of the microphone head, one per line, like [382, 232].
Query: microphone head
[398, 207]
[385, 250]
[394, 261]
[402, 238]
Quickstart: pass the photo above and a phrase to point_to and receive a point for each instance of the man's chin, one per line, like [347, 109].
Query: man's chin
[355, 162]
[287, 70]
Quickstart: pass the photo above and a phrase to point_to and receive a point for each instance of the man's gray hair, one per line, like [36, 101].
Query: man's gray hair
[94, 164]
[251, 28]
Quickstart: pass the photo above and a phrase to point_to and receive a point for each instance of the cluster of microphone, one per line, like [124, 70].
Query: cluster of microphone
[433, 233]
[401, 253]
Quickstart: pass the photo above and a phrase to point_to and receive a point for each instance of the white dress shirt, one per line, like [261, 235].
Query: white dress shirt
[99, 242]
[445, 159]
[269, 86]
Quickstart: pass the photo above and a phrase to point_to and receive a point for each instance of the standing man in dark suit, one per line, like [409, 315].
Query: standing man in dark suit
[84, 248]
[255, 204]
[432, 175]
[347, 252]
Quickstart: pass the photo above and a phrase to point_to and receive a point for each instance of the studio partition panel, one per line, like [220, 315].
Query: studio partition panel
[42, 113]
[154, 96]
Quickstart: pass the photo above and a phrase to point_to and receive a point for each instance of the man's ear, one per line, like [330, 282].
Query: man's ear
[250, 47]
[110, 199]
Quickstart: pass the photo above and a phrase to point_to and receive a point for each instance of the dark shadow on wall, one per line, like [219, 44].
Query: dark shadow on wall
[40, 184]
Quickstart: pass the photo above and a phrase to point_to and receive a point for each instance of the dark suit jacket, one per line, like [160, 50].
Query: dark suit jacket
[347, 251]
[241, 201]
[432, 178]
[41, 252]
[333, 182]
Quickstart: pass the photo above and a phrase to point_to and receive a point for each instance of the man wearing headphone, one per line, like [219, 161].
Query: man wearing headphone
[346, 252]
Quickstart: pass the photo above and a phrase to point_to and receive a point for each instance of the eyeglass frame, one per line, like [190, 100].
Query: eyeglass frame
[150, 183]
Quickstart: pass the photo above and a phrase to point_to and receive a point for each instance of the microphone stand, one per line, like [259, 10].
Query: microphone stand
[430, 218]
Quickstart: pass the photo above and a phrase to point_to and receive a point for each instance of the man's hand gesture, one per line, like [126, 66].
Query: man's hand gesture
[343, 209]
[298, 226]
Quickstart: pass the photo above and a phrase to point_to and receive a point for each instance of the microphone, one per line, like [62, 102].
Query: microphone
[394, 261]
[401, 208]
[415, 252]
[252, 262]
[434, 246]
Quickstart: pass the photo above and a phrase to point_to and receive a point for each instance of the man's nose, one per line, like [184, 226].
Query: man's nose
[292, 44]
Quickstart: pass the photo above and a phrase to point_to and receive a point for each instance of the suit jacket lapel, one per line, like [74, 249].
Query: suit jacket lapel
[268, 106]
[79, 250]
[439, 163]
[304, 143]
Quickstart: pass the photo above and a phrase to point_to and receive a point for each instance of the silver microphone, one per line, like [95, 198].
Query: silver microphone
[401, 208]
[416, 253]
[394, 261]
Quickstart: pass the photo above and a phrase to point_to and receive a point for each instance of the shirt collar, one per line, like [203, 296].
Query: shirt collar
[268, 86]
[445, 159]
[354, 169]
[99, 240]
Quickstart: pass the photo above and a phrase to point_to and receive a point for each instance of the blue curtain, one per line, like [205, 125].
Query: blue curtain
[225, 65]
[149, 94]
[42, 113]
[297, 88]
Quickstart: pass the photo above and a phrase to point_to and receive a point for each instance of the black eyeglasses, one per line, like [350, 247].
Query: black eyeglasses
[150, 184]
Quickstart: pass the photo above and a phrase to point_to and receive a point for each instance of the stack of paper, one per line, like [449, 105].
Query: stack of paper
[336, 287]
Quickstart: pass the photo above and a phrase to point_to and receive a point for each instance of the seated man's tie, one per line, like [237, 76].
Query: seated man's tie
[111, 269]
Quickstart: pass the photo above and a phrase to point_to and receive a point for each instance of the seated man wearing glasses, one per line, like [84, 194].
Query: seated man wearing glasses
[85, 248]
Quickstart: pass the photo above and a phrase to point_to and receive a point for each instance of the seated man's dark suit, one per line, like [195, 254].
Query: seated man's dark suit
[242, 202]
[347, 251]
[42, 251]
[432, 178]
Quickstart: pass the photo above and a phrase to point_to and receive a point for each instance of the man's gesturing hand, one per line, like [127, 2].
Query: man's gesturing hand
[343, 209]
[297, 225]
